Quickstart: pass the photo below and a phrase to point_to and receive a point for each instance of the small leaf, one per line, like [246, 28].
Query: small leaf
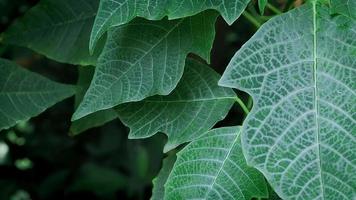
[58, 29]
[191, 109]
[96, 119]
[117, 12]
[161, 179]
[145, 58]
[262, 5]
[213, 167]
[300, 69]
[24, 94]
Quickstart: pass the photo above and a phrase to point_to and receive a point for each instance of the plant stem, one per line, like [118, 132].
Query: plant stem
[250, 18]
[242, 105]
[273, 9]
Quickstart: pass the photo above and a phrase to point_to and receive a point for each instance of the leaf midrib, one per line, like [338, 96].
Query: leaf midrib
[316, 97]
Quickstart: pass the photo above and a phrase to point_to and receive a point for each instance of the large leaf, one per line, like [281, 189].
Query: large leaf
[213, 167]
[161, 179]
[58, 29]
[300, 69]
[118, 12]
[24, 94]
[191, 109]
[146, 58]
[345, 7]
[96, 119]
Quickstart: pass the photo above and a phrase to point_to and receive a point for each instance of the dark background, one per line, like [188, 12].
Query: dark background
[38, 158]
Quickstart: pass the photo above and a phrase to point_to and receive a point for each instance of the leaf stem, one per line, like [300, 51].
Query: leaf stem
[250, 18]
[242, 105]
[273, 9]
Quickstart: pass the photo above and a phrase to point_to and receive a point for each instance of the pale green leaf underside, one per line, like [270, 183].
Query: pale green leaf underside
[58, 29]
[118, 12]
[300, 68]
[161, 179]
[213, 167]
[95, 119]
[145, 58]
[191, 109]
[24, 94]
[345, 7]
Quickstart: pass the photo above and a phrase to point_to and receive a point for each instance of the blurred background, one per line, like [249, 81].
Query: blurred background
[40, 160]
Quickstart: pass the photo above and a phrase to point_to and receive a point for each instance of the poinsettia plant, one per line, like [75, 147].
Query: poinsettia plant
[151, 70]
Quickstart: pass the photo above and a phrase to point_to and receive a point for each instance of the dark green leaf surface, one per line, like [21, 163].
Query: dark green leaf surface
[262, 5]
[345, 7]
[190, 110]
[161, 179]
[24, 94]
[300, 68]
[213, 167]
[145, 58]
[118, 12]
[58, 29]
[96, 119]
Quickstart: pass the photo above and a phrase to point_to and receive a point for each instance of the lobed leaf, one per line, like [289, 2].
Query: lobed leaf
[117, 12]
[213, 167]
[145, 58]
[190, 110]
[58, 29]
[300, 68]
[24, 94]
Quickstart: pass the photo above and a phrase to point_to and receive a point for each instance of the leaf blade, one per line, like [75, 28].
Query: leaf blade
[59, 30]
[297, 77]
[25, 94]
[213, 167]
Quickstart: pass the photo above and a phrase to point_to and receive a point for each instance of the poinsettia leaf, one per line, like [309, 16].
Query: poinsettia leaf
[145, 58]
[59, 30]
[117, 12]
[213, 167]
[96, 119]
[191, 109]
[345, 7]
[300, 69]
[161, 179]
[24, 94]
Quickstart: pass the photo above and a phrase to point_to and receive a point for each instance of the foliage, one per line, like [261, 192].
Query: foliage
[145, 66]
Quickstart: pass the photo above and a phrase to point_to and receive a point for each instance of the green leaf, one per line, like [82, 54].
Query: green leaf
[117, 12]
[262, 5]
[213, 167]
[190, 110]
[300, 69]
[145, 58]
[24, 94]
[345, 7]
[57, 29]
[95, 119]
[161, 179]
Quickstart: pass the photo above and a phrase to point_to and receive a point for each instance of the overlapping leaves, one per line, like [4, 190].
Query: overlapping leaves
[190, 110]
[117, 12]
[300, 69]
[145, 58]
